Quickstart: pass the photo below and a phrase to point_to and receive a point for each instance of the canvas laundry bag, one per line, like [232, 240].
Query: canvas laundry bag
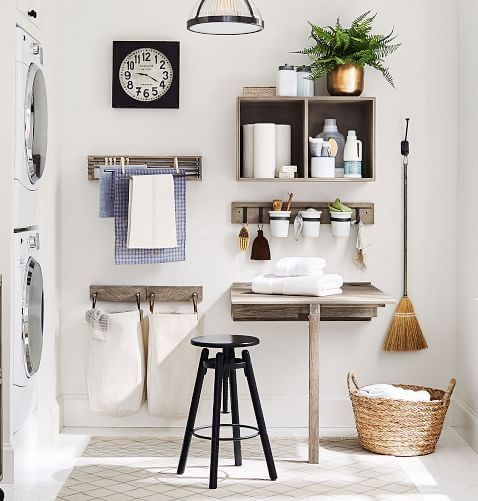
[116, 366]
[172, 363]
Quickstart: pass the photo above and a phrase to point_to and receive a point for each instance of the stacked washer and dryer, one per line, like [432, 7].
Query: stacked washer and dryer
[30, 157]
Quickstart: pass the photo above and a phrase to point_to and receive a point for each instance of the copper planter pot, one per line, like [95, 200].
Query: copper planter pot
[345, 80]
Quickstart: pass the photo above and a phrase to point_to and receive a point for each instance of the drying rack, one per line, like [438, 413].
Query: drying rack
[151, 293]
[190, 165]
[249, 212]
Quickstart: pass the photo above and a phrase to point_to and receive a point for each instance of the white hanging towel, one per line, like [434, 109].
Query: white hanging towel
[152, 212]
[172, 363]
[116, 367]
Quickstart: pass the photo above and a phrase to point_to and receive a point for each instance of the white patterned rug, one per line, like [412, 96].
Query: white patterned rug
[141, 468]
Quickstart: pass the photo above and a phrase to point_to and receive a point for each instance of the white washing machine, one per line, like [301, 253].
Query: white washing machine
[31, 134]
[28, 313]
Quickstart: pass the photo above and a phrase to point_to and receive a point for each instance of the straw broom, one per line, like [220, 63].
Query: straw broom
[405, 333]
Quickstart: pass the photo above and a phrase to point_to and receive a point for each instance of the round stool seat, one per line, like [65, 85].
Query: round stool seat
[226, 341]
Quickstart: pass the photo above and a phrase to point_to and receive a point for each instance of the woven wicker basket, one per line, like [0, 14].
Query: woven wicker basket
[399, 427]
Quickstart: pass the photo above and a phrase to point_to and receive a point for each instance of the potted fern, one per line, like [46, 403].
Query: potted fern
[342, 54]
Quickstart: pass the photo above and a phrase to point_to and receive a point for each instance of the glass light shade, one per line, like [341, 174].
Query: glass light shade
[225, 17]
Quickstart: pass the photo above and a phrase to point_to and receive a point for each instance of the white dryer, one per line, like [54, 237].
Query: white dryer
[28, 313]
[31, 134]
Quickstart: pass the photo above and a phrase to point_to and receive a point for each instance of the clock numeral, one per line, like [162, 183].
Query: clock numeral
[130, 65]
[127, 75]
[162, 84]
[146, 93]
[165, 75]
[138, 91]
[130, 84]
[155, 91]
[162, 64]
[147, 56]
[137, 58]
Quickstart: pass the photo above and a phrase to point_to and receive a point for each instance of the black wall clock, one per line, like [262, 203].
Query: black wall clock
[145, 74]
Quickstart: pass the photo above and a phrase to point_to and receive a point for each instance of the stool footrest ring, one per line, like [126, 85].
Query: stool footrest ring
[227, 439]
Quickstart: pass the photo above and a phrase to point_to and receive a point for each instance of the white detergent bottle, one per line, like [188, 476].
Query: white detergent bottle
[353, 156]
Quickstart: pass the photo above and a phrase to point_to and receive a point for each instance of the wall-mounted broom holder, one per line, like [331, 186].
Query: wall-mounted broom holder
[364, 212]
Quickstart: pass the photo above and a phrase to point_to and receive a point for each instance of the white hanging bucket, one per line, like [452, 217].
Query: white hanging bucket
[280, 222]
[311, 228]
[341, 222]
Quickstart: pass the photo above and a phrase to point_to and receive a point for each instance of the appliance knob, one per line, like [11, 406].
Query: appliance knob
[35, 48]
[32, 13]
[32, 242]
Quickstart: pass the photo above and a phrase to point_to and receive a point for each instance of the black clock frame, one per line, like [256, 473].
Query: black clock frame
[122, 100]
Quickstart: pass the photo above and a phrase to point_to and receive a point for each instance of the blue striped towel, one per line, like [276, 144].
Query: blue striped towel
[123, 255]
[107, 193]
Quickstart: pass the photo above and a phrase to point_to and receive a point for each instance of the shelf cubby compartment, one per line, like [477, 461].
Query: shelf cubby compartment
[307, 116]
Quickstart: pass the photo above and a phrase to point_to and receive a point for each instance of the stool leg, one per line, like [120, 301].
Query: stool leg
[225, 394]
[236, 431]
[261, 424]
[193, 411]
[216, 421]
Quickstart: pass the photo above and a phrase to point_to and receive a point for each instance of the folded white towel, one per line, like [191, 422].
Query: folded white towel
[318, 285]
[390, 392]
[299, 266]
[152, 212]
[315, 285]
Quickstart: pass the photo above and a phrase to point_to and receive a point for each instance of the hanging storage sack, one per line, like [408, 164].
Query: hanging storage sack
[116, 366]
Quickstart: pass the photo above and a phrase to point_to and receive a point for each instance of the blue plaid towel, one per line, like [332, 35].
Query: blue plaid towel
[123, 255]
[107, 193]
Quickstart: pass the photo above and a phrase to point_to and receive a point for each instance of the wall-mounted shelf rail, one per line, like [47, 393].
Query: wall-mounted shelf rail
[191, 165]
[162, 293]
[366, 211]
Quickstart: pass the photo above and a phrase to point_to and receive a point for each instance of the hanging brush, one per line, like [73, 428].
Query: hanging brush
[260, 247]
[244, 237]
[405, 333]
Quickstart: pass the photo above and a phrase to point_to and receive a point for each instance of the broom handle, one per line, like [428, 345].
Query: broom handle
[405, 147]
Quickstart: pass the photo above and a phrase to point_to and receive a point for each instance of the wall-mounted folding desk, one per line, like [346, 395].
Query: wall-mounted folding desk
[359, 302]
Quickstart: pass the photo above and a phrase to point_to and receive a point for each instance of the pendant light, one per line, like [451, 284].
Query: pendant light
[225, 17]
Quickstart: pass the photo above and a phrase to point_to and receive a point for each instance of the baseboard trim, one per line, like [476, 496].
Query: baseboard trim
[466, 422]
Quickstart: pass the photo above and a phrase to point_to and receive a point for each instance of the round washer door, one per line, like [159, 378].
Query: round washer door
[32, 321]
[36, 123]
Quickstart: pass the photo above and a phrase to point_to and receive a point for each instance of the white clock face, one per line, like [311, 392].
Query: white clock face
[146, 74]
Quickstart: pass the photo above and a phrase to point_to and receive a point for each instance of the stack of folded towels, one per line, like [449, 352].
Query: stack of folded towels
[299, 276]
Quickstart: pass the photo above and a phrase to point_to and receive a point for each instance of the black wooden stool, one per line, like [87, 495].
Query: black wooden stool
[225, 364]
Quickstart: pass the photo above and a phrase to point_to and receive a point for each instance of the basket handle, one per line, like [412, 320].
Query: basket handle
[449, 391]
[352, 382]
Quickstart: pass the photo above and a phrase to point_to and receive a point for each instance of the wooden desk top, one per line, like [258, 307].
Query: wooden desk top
[359, 293]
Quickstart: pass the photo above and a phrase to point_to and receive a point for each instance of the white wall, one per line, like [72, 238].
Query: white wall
[467, 293]
[213, 72]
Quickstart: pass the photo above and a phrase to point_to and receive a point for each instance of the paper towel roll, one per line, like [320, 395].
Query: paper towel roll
[283, 146]
[248, 150]
[264, 151]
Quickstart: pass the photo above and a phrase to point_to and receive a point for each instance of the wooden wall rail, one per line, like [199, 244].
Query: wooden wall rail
[365, 210]
[163, 293]
[192, 165]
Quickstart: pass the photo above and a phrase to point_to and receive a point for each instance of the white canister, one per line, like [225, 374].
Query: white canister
[305, 85]
[286, 81]
[280, 222]
[311, 225]
[323, 167]
[341, 222]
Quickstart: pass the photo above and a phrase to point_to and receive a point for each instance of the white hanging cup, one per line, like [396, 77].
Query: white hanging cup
[280, 222]
[311, 225]
[340, 222]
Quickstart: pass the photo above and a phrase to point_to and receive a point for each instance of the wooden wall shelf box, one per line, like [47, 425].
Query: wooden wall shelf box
[306, 115]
